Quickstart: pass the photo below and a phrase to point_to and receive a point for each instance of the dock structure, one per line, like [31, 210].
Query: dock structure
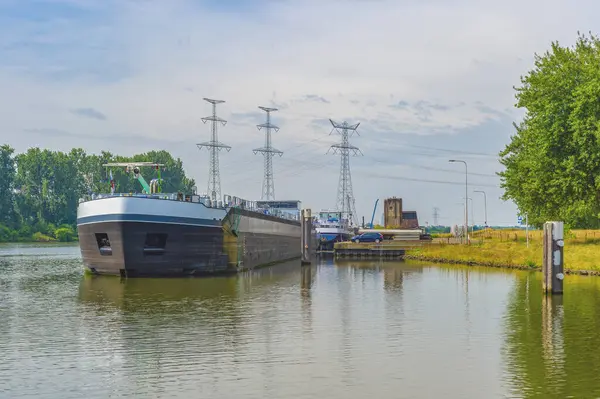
[401, 233]
[394, 249]
[396, 234]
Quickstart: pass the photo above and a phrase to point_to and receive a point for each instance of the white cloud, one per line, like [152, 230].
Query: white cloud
[145, 66]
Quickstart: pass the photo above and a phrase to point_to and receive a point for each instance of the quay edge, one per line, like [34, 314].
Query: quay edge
[384, 249]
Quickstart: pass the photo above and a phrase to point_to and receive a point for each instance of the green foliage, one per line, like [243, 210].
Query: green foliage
[40, 189]
[46, 233]
[39, 237]
[173, 175]
[64, 234]
[437, 229]
[7, 234]
[553, 161]
[24, 232]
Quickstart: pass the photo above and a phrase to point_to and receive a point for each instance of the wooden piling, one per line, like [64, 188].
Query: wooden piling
[553, 258]
[306, 239]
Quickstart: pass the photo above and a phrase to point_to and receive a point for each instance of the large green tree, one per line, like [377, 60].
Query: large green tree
[553, 160]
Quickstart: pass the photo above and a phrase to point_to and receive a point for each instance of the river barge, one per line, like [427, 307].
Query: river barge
[173, 234]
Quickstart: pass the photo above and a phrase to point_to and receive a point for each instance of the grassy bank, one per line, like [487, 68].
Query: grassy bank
[508, 249]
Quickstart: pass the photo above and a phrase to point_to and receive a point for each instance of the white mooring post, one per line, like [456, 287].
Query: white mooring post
[553, 258]
[306, 232]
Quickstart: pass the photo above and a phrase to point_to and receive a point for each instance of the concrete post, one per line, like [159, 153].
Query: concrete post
[306, 240]
[302, 235]
[553, 258]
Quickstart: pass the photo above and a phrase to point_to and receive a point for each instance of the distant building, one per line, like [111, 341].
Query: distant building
[392, 210]
[409, 220]
[395, 218]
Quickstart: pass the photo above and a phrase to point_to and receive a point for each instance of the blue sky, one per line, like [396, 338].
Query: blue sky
[428, 81]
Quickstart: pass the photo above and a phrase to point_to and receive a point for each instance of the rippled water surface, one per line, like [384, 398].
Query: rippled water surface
[345, 330]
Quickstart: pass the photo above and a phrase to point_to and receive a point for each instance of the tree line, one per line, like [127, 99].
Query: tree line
[40, 189]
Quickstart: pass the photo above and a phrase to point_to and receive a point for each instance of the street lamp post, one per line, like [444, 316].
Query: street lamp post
[484, 204]
[466, 196]
[462, 204]
[472, 215]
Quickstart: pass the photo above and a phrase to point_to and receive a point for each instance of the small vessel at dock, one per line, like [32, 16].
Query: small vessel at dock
[177, 234]
[331, 227]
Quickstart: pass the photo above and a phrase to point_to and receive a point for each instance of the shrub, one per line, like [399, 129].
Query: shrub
[25, 232]
[7, 234]
[64, 234]
[39, 237]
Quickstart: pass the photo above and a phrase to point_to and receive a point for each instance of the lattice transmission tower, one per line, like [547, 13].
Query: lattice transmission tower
[345, 196]
[268, 190]
[436, 216]
[214, 147]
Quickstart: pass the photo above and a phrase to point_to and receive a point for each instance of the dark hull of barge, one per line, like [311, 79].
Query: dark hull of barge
[243, 241]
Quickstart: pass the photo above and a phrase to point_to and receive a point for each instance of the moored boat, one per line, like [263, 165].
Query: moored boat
[177, 234]
[330, 228]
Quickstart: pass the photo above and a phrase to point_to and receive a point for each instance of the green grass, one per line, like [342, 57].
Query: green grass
[508, 248]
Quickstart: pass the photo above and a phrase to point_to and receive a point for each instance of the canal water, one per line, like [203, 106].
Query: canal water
[342, 330]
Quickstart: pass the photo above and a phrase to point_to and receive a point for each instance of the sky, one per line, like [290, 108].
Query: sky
[428, 81]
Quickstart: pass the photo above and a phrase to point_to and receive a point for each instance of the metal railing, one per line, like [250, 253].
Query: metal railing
[230, 201]
[227, 202]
